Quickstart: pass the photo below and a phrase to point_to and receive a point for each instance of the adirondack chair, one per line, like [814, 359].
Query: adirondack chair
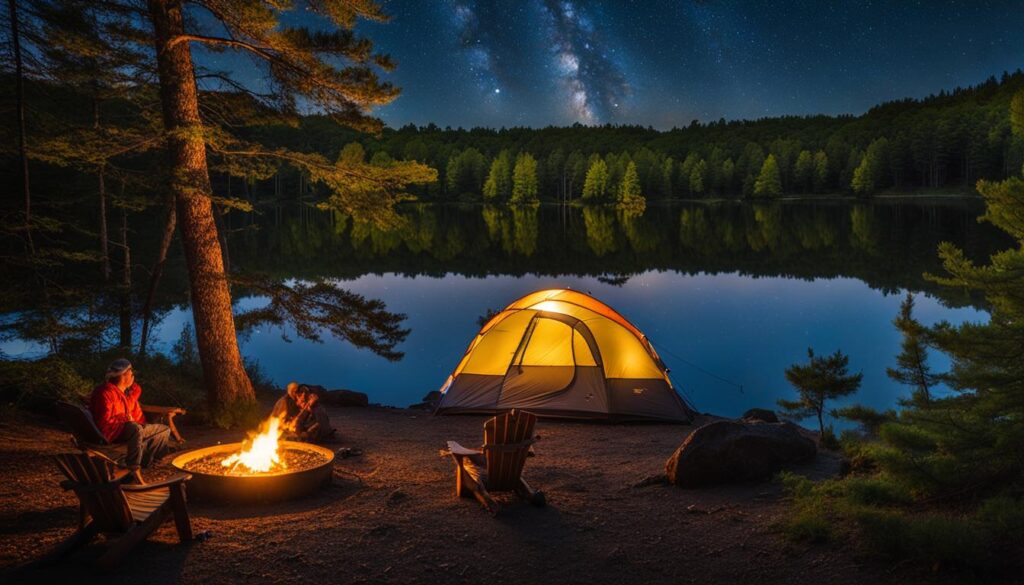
[86, 437]
[497, 466]
[110, 506]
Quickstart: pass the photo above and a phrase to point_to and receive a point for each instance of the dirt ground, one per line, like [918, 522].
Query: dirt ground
[391, 516]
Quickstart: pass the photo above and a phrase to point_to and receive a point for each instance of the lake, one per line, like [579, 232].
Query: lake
[730, 294]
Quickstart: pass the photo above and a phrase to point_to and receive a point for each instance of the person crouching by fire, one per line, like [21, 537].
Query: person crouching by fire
[287, 407]
[312, 423]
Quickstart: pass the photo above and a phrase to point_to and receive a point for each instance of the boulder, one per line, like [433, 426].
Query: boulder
[344, 398]
[727, 451]
[429, 401]
[761, 414]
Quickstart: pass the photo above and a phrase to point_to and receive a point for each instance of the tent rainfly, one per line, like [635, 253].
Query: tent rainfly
[563, 353]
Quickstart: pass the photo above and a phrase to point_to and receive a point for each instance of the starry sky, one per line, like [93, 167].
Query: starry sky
[664, 63]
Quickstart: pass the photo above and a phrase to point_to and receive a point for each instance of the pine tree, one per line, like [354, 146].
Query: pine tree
[524, 179]
[667, 172]
[698, 178]
[820, 380]
[867, 177]
[804, 171]
[820, 171]
[728, 176]
[768, 183]
[912, 363]
[352, 153]
[499, 179]
[969, 442]
[333, 70]
[595, 187]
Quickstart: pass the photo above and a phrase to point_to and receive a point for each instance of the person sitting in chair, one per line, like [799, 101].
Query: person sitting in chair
[312, 423]
[118, 416]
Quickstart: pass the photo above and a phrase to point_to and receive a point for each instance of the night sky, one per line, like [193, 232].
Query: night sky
[652, 62]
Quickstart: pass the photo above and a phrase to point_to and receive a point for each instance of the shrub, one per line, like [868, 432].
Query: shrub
[808, 525]
[1002, 518]
[36, 384]
[929, 538]
[828, 439]
[876, 491]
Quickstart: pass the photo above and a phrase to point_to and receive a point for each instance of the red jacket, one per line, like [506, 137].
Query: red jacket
[111, 408]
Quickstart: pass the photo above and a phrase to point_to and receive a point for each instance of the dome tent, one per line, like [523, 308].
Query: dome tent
[563, 353]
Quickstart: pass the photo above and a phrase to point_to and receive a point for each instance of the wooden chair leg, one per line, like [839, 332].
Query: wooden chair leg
[484, 497]
[535, 497]
[180, 510]
[458, 478]
[466, 484]
[174, 429]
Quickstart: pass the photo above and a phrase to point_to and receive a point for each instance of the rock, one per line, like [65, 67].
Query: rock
[761, 414]
[729, 451]
[344, 398]
[429, 401]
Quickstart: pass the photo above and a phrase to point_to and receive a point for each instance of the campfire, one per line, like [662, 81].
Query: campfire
[263, 467]
[260, 453]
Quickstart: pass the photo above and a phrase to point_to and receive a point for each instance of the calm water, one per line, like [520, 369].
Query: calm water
[737, 291]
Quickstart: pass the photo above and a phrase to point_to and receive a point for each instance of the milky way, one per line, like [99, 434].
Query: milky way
[666, 62]
[595, 85]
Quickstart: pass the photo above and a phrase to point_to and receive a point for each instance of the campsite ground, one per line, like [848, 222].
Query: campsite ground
[391, 517]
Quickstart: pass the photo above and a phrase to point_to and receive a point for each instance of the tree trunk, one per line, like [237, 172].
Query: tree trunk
[126, 285]
[19, 98]
[104, 238]
[158, 270]
[227, 385]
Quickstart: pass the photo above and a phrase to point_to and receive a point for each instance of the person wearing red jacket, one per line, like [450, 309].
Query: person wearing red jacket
[116, 411]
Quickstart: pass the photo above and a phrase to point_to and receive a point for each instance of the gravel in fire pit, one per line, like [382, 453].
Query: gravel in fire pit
[292, 459]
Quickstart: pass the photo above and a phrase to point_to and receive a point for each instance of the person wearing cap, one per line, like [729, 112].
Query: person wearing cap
[118, 416]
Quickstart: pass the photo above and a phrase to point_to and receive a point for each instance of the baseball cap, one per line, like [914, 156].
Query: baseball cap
[118, 367]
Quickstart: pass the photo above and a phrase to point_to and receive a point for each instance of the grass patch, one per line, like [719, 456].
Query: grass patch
[873, 512]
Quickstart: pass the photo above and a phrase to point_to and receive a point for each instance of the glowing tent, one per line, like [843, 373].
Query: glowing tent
[563, 353]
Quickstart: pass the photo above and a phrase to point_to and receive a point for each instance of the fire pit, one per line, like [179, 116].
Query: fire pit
[261, 469]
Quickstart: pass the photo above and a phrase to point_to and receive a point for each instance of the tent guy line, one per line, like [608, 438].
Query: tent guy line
[662, 349]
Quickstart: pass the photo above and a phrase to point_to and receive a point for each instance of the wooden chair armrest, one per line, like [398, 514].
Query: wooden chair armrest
[505, 447]
[460, 451]
[99, 455]
[176, 480]
[88, 488]
[164, 410]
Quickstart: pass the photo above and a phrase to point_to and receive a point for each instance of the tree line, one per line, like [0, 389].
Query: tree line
[942, 143]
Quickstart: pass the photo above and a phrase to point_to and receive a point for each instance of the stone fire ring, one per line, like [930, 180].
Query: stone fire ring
[240, 489]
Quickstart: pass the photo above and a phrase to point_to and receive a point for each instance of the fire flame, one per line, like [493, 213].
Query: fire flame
[259, 454]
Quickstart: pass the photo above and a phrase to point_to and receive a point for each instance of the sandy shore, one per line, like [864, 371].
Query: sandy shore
[391, 516]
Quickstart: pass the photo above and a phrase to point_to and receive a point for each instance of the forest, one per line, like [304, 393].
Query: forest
[943, 143]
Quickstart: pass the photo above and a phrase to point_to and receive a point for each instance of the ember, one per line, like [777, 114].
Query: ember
[290, 459]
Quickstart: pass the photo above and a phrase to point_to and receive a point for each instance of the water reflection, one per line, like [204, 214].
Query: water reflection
[742, 290]
[887, 245]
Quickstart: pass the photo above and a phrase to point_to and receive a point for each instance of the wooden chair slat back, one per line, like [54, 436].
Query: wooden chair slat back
[505, 467]
[107, 506]
[80, 423]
